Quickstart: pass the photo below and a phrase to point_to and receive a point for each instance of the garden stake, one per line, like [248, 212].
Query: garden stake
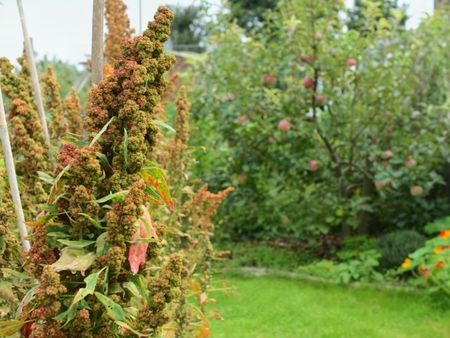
[33, 71]
[97, 41]
[12, 178]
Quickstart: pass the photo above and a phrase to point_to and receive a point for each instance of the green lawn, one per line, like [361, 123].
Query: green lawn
[275, 307]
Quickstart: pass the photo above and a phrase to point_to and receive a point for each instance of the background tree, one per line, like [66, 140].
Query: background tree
[187, 31]
[250, 13]
[357, 16]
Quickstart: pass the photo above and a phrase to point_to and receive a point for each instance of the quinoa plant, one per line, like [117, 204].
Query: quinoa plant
[191, 224]
[27, 135]
[54, 105]
[73, 112]
[96, 246]
[119, 29]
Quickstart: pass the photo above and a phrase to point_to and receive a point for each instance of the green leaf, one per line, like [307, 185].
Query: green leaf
[10, 273]
[46, 177]
[100, 133]
[91, 282]
[74, 260]
[25, 300]
[129, 328]
[114, 310]
[118, 196]
[101, 245]
[10, 327]
[163, 125]
[93, 221]
[102, 157]
[76, 244]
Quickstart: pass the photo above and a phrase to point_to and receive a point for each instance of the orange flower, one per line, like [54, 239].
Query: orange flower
[406, 264]
[439, 264]
[445, 234]
[437, 250]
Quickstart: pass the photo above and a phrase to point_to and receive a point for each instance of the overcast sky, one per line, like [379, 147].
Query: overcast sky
[62, 28]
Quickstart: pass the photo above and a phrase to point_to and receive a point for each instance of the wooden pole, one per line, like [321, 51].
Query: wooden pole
[97, 41]
[140, 17]
[12, 178]
[34, 73]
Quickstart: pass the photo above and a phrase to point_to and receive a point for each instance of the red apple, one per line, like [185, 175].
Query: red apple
[284, 125]
[269, 78]
[387, 154]
[308, 82]
[351, 62]
[307, 58]
[410, 162]
[313, 165]
[242, 119]
[379, 185]
[242, 178]
[318, 35]
[320, 99]
[416, 190]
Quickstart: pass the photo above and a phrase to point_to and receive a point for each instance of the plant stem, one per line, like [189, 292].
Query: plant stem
[12, 178]
[34, 73]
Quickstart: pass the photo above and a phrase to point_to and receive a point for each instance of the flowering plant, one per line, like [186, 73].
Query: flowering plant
[431, 263]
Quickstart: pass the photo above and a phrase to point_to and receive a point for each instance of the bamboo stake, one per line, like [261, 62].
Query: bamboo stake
[12, 178]
[97, 41]
[34, 73]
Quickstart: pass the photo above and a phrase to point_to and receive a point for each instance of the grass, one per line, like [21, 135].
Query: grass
[276, 307]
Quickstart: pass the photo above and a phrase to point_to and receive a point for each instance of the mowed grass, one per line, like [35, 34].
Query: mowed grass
[273, 307]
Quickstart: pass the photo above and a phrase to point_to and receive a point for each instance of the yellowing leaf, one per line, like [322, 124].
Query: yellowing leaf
[74, 260]
[10, 327]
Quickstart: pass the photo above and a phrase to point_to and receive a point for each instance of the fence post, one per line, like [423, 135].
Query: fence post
[97, 41]
[12, 178]
[34, 73]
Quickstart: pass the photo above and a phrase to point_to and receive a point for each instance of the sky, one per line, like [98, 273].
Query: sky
[62, 28]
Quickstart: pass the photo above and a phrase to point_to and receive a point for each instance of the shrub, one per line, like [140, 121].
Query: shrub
[363, 267]
[396, 246]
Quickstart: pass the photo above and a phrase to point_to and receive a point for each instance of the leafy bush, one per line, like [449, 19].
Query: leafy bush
[396, 246]
[360, 268]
